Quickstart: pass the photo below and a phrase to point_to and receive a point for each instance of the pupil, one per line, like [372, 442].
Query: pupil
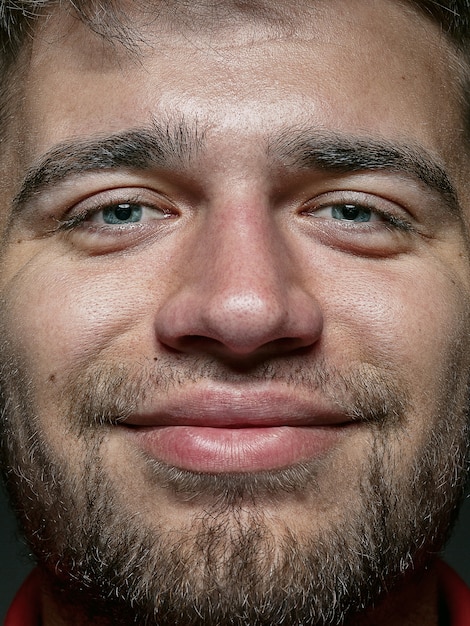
[351, 212]
[123, 212]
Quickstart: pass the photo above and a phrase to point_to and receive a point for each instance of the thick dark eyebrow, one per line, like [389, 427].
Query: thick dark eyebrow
[344, 154]
[141, 149]
[173, 146]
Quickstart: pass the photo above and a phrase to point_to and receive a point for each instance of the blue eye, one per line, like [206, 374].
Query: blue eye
[355, 213]
[124, 213]
[351, 212]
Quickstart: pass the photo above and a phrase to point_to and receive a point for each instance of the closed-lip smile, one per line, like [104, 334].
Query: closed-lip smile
[225, 429]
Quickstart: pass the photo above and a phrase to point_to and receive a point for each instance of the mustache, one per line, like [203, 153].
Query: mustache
[107, 393]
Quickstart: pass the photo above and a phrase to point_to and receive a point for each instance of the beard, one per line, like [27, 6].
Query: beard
[228, 565]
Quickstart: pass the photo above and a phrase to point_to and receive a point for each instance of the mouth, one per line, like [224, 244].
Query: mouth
[217, 430]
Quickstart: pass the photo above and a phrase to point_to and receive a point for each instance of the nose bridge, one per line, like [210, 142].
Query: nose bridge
[244, 265]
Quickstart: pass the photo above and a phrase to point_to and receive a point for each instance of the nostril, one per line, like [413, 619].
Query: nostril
[239, 355]
[292, 344]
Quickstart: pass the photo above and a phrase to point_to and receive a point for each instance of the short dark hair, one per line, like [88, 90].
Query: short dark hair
[17, 16]
[453, 16]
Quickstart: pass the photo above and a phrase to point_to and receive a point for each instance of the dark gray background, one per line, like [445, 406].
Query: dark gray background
[14, 563]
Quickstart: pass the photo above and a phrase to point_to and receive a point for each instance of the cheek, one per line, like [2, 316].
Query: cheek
[59, 317]
[413, 322]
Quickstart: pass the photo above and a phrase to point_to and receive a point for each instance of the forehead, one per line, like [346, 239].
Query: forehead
[366, 68]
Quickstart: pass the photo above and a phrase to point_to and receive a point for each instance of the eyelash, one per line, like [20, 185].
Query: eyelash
[80, 218]
[391, 220]
[73, 222]
[328, 200]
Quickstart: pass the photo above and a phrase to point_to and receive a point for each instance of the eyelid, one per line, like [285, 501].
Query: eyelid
[93, 204]
[375, 215]
[390, 211]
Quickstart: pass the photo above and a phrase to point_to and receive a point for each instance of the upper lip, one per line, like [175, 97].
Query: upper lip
[229, 407]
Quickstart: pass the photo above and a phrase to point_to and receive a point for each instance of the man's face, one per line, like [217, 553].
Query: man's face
[235, 291]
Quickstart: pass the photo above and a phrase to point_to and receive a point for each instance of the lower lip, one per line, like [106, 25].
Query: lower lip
[218, 450]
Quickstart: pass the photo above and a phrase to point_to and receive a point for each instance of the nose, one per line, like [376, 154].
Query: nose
[240, 292]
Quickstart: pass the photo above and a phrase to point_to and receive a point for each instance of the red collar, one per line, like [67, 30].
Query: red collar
[456, 595]
[26, 607]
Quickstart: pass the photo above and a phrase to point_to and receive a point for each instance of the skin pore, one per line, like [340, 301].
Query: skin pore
[234, 291]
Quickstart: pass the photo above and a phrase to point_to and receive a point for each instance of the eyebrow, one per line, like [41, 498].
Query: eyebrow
[141, 149]
[341, 154]
[160, 146]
